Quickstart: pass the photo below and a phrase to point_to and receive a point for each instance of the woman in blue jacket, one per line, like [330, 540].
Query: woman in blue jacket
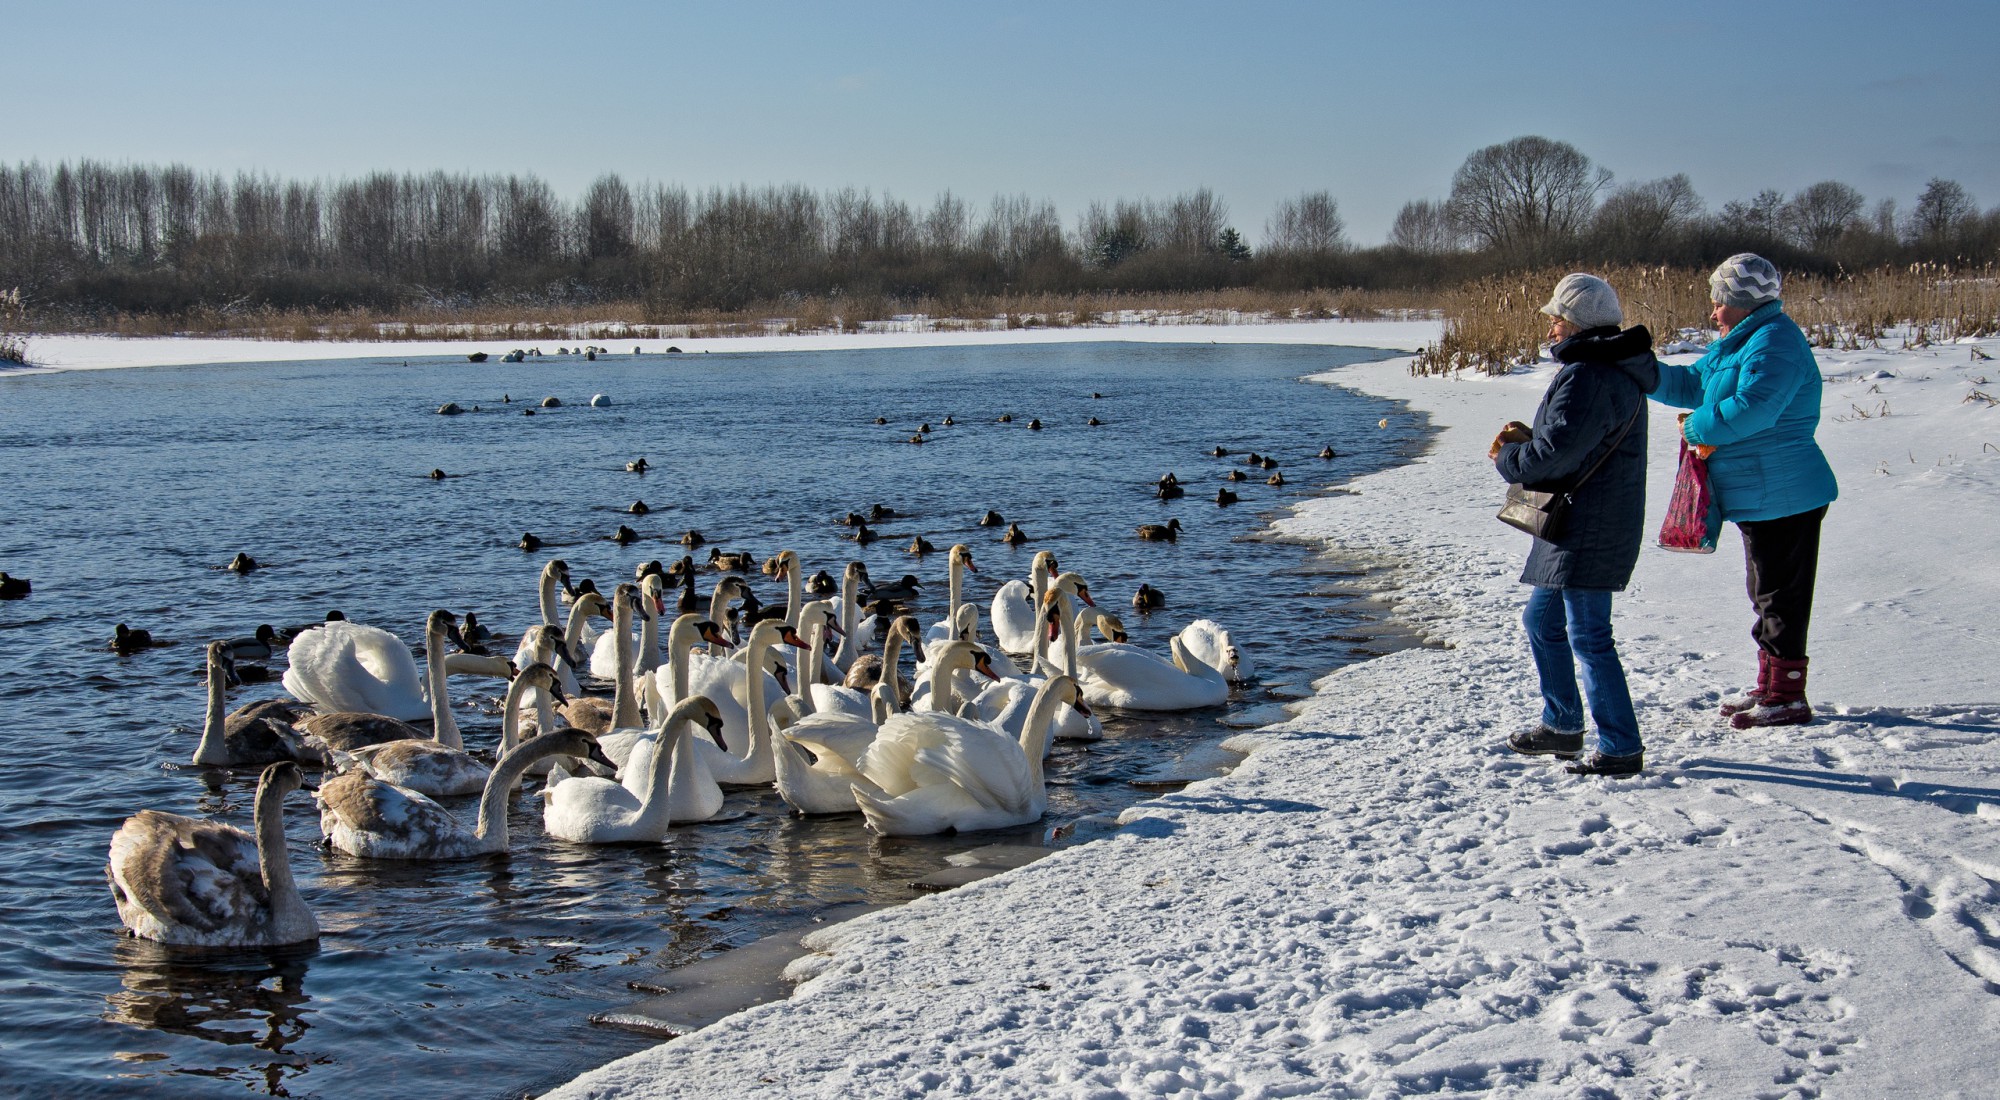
[1590, 428]
[1755, 397]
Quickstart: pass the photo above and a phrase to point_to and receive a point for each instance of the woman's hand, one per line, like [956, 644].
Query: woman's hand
[1701, 450]
[1514, 432]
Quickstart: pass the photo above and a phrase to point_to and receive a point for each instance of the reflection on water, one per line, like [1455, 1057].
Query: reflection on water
[131, 489]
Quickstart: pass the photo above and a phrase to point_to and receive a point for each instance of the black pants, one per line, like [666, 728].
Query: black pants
[1780, 560]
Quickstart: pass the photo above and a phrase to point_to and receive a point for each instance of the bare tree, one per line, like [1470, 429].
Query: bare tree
[1427, 227]
[1941, 213]
[1639, 218]
[1190, 222]
[1524, 196]
[1310, 224]
[608, 218]
[1820, 215]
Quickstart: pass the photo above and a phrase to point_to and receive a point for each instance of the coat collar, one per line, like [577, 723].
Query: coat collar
[1761, 316]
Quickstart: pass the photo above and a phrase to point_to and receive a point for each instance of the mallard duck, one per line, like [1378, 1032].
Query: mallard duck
[1014, 536]
[991, 519]
[1157, 532]
[1224, 497]
[1148, 598]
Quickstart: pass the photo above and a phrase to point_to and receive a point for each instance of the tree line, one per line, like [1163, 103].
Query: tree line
[91, 238]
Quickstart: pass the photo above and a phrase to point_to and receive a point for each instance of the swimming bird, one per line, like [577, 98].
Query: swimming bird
[1225, 497]
[14, 588]
[638, 465]
[1005, 418]
[624, 536]
[1235, 475]
[1016, 608]
[1156, 532]
[126, 639]
[733, 562]
[991, 519]
[674, 789]
[879, 512]
[242, 563]
[1275, 479]
[1220, 451]
[1269, 463]
[1035, 425]
[370, 817]
[1014, 536]
[931, 771]
[438, 767]
[259, 737]
[909, 587]
[189, 882]
[1171, 490]
[692, 538]
[529, 542]
[1209, 642]
[639, 508]
[864, 535]
[260, 645]
[1327, 452]
[1148, 598]
[921, 545]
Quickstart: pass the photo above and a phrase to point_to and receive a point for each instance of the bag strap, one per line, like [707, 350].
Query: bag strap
[1609, 451]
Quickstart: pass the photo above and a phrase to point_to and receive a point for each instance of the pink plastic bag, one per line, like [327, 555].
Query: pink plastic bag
[1694, 516]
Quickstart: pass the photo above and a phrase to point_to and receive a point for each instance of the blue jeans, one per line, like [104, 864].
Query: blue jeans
[1566, 621]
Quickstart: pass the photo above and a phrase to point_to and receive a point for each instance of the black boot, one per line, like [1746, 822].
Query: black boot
[1598, 763]
[1543, 741]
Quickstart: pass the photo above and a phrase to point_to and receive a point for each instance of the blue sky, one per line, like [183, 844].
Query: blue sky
[1377, 103]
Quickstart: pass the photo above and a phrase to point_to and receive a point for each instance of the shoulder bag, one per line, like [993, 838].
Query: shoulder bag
[1541, 514]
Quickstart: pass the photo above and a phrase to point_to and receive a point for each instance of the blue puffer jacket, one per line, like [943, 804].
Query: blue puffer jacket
[1755, 397]
[1602, 384]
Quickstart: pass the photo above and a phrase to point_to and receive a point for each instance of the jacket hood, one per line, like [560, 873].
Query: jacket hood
[1629, 351]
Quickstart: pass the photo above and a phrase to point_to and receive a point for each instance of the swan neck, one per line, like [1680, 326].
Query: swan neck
[551, 610]
[957, 587]
[444, 730]
[943, 699]
[674, 753]
[510, 717]
[573, 633]
[794, 595]
[491, 829]
[808, 670]
[1186, 661]
[273, 858]
[680, 643]
[892, 676]
[214, 725]
[649, 642]
[624, 699]
[753, 689]
[1040, 726]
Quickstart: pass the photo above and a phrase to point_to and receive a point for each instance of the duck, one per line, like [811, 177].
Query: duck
[639, 508]
[674, 790]
[1148, 598]
[1327, 452]
[908, 588]
[260, 645]
[1224, 498]
[878, 512]
[992, 519]
[1171, 490]
[1035, 425]
[344, 666]
[733, 562]
[1014, 536]
[1269, 463]
[15, 588]
[126, 639]
[1169, 531]
[242, 563]
[1253, 459]
[692, 538]
[930, 772]
[376, 819]
[851, 519]
[1220, 451]
[289, 634]
[1004, 418]
[250, 737]
[193, 883]
[473, 632]
[920, 546]
[624, 536]
[529, 542]
[881, 420]
[1093, 422]
[864, 535]
[1275, 479]
[1014, 611]
[1235, 475]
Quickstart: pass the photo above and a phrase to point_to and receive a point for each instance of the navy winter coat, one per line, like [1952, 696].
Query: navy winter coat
[1755, 397]
[1604, 380]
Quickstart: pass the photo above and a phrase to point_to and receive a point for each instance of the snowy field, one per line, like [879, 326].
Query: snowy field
[1380, 901]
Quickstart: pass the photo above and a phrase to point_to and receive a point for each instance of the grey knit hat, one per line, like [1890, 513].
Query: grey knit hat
[1745, 280]
[1585, 301]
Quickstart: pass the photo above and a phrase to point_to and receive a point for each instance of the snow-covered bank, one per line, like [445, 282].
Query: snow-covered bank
[1381, 902]
[103, 352]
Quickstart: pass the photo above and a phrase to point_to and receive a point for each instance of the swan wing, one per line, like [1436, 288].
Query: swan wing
[364, 816]
[839, 736]
[838, 699]
[1013, 617]
[172, 872]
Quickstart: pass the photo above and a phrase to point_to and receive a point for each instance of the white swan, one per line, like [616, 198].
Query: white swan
[365, 816]
[958, 563]
[753, 766]
[851, 645]
[1118, 674]
[199, 883]
[815, 755]
[594, 810]
[1210, 643]
[1016, 610]
[255, 736]
[344, 666]
[583, 711]
[938, 771]
[555, 577]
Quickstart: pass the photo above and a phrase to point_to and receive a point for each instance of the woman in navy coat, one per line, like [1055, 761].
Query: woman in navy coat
[1591, 427]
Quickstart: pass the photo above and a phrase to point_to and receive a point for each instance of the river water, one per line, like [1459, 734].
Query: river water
[127, 491]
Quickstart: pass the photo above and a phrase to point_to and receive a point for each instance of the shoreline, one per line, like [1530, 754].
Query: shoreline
[52, 354]
[1379, 898]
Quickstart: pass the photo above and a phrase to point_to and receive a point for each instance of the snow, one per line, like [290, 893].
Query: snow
[1382, 902]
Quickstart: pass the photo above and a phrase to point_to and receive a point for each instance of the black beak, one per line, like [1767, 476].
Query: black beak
[714, 726]
[597, 754]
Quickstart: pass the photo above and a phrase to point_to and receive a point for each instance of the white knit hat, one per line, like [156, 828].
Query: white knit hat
[1585, 301]
[1745, 280]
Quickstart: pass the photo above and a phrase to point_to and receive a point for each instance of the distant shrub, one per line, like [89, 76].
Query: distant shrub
[13, 328]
